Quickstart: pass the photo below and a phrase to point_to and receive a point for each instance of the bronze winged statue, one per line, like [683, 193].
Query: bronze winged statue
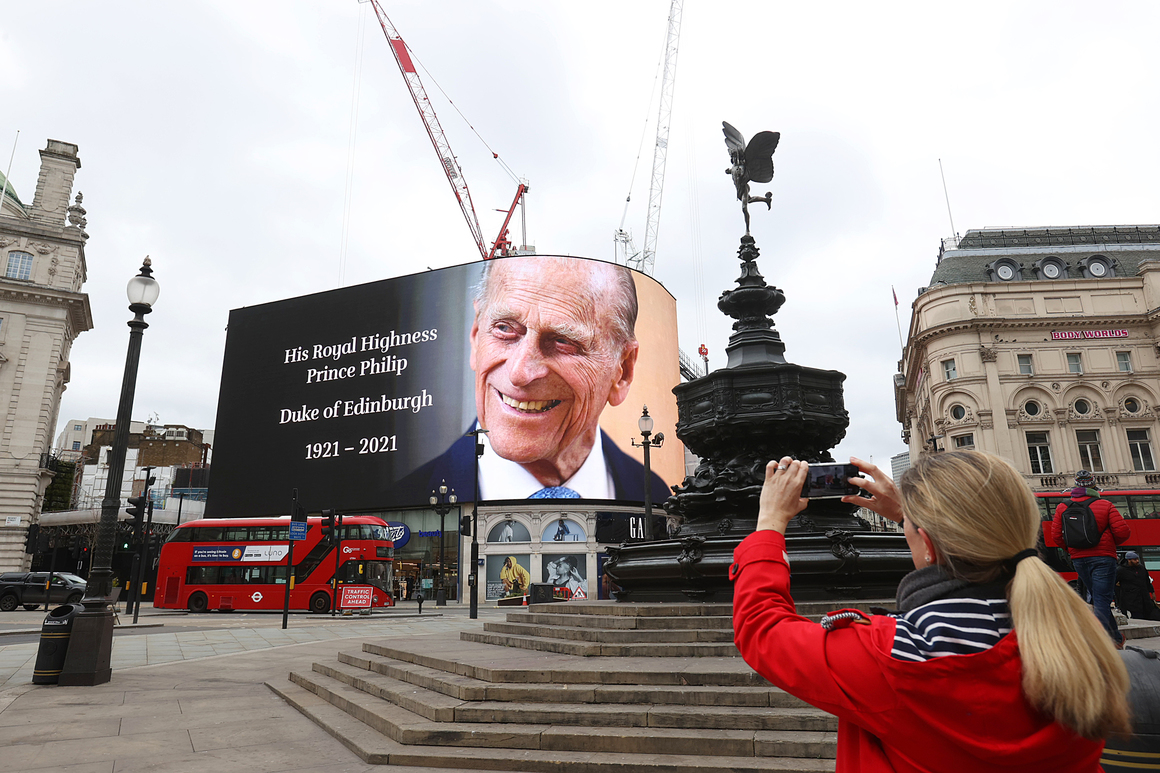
[751, 163]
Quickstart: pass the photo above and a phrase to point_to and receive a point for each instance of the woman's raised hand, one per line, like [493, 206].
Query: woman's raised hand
[885, 499]
[781, 495]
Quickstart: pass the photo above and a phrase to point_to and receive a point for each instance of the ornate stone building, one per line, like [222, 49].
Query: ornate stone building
[42, 309]
[1042, 346]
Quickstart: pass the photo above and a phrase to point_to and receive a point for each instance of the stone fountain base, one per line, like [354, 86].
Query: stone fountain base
[835, 564]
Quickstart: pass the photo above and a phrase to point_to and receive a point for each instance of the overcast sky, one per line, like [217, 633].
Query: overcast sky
[215, 137]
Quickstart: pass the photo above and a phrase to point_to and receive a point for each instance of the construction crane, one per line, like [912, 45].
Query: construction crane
[501, 245]
[623, 244]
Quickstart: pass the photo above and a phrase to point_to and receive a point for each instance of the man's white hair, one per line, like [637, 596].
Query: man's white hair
[617, 280]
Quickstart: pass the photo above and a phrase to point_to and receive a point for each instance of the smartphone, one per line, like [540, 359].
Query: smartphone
[829, 481]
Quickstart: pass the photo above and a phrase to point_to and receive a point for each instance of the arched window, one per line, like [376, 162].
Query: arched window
[19, 265]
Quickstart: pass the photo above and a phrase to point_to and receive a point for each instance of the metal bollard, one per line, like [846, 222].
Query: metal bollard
[54, 638]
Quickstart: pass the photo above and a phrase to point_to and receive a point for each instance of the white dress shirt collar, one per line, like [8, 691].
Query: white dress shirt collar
[501, 478]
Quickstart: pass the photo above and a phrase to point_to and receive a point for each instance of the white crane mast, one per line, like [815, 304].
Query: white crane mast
[643, 261]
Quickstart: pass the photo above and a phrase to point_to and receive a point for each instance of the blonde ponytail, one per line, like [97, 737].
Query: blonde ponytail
[1071, 670]
[979, 513]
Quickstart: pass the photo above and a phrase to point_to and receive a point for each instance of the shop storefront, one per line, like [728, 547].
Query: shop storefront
[416, 534]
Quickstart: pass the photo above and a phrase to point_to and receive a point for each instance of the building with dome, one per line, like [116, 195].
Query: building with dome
[1041, 345]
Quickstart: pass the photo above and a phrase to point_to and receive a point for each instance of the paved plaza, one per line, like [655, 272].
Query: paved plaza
[189, 695]
[194, 698]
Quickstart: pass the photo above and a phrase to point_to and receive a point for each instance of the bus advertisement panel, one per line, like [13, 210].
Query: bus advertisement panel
[361, 397]
[241, 563]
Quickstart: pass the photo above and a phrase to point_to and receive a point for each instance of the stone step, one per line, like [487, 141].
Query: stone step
[614, 622]
[611, 636]
[375, 748]
[406, 727]
[477, 661]
[470, 689]
[443, 708]
[622, 609]
[685, 650]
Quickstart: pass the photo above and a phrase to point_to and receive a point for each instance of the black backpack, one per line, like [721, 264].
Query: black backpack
[1080, 529]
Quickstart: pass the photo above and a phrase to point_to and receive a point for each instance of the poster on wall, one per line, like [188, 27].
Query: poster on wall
[569, 571]
[563, 530]
[508, 576]
[361, 397]
[509, 531]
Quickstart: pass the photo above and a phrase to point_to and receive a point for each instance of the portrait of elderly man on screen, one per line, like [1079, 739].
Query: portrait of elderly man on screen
[552, 344]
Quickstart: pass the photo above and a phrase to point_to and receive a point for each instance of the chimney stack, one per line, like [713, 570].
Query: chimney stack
[58, 165]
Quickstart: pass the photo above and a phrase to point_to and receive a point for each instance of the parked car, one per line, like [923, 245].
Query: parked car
[27, 589]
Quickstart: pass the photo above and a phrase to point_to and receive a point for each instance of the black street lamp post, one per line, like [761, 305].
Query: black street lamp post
[91, 644]
[473, 574]
[443, 505]
[645, 422]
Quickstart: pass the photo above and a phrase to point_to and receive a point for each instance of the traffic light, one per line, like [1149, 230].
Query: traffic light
[465, 525]
[136, 506]
[32, 538]
[328, 533]
[136, 509]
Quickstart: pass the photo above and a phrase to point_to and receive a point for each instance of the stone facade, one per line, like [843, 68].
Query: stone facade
[42, 310]
[172, 445]
[1041, 346]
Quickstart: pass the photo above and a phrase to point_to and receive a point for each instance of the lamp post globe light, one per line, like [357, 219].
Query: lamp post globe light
[645, 423]
[91, 644]
[443, 505]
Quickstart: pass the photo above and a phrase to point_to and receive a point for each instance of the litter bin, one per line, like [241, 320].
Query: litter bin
[54, 636]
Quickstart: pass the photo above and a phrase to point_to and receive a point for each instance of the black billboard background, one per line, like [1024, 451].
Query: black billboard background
[260, 456]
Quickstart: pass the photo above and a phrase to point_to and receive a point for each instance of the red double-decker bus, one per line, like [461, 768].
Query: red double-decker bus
[1141, 508]
[241, 563]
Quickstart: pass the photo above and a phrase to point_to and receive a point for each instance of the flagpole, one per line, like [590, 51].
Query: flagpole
[901, 345]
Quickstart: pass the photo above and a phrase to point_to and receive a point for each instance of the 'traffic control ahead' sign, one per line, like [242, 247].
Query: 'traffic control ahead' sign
[356, 597]
[298, 529]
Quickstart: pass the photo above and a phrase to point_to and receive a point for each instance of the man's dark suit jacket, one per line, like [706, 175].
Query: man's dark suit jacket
[456, 465]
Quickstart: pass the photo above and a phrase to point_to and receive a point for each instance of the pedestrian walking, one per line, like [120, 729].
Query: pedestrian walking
[1094, 554]
[991, 663]
[1134, 593]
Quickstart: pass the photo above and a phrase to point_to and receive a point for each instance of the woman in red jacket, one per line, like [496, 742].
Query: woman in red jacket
[991, 663]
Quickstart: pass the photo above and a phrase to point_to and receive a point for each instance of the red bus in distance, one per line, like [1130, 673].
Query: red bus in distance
[240, 563]
[1141, 510]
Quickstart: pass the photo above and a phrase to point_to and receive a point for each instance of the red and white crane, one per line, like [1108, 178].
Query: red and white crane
[451, 168]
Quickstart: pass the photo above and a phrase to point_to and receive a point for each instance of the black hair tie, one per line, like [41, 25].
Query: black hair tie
[1014, 560]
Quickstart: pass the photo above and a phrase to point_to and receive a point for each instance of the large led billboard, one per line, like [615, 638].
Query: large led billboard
[361, 398]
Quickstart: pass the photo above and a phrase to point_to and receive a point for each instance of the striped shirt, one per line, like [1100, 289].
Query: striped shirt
[950, 627]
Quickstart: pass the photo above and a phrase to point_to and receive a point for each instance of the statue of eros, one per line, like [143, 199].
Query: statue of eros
[751, 163]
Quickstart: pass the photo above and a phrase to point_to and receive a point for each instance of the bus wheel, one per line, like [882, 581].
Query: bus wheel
[198, 602]
[320, 602]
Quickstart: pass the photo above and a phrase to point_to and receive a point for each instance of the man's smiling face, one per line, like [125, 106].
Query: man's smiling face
[546, 361]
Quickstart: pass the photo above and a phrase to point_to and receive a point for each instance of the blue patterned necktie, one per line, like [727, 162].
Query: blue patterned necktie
[555, 492]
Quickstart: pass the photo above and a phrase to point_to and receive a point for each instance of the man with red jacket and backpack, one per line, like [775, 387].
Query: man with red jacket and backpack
[1091, 528]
